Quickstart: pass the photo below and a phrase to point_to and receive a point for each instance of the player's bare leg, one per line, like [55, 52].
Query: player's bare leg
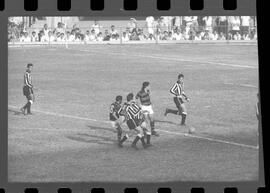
[152, 125]
[120, 144]
[147, 135]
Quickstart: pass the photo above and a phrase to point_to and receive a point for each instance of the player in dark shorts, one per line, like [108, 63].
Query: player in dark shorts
[115, 118]
[146, 105]
[135, 121]
[28, 90]
[179, 95]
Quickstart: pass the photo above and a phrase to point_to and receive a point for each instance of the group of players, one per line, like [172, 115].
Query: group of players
[139, 115]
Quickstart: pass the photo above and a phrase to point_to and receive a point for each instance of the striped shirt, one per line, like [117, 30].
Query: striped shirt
[178, 89]
[144, 97]
[27, 79]
[133, 112]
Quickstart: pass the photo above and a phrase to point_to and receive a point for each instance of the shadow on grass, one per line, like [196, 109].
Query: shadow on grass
[163, 121]
[93, 138]
[16, 112]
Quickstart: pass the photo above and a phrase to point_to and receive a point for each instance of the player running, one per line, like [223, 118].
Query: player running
[144, 96]
[115, 118]
[28, 90]
[179, 95]
[135, 121]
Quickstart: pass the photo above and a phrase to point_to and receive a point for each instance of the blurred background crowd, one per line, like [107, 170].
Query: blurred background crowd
[84, 29]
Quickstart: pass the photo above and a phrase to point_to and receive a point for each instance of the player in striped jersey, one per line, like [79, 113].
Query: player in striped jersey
[28, 90]
[115, 118]
[144, 96]
[135, 121]
[179, 95]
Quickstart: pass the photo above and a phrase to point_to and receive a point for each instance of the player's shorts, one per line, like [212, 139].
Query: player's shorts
[178, 101]
[117, 122]
[147, 109]
[27, 91]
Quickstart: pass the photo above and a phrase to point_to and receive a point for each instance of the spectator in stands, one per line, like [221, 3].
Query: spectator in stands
[132, 24]
[187, 24]
[45, 30]
[125, 37]
[177, 35]
[222, 24]
[214, 35]
[208, 23]
[237, 36]
[25, 37]
[170, 35]
[198, 36]
[107, 36]
[96, 26]
[71, 37]
[34, 37]
[113, 31]
[92, 35]
[60, 29]
[245, 23]
[86, 36]
[42, 36]
[235, 24]
[99, 37]
[221, 36]
[134, 36]
[150, 24]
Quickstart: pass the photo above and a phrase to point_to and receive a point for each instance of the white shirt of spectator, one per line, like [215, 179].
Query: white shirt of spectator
[114, 32]
[34, 38]
[198, 37]
[44, 38]
[71, 38]
[96, 27]
[46, 32]
[51, 39]
[208, 22]
[245, 20]
[177, 36]
[235, 22]
[25, 39]
[92, 37]
[150, 24]
[222, 18]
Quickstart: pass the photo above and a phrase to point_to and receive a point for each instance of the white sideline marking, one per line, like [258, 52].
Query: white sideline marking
[170, 132]
[244, 85]
[174, 59]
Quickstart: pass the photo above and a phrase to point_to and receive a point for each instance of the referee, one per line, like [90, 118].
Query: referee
[28, 90]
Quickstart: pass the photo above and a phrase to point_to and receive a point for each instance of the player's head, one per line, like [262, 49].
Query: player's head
[130, 97]
[145, 85]
[119, 99]
[180, 77]
[29, 66]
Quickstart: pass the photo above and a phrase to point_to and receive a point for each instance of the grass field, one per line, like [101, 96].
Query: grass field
[69, 138]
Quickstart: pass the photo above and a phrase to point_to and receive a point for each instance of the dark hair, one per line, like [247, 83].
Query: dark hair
[129, 97]
[118, 98]
[29, 64]
[180, 76]
[145, 84]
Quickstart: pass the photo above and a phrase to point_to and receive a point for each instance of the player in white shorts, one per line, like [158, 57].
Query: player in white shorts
[144, 96]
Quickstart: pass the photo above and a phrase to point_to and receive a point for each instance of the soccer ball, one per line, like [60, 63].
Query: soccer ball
[191, 130]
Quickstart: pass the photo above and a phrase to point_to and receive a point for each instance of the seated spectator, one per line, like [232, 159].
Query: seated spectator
[60, 29]
[96, 26]
[141, 35]
[71, 37]
[61, 37]
[134, 36]
[86, 37]
[107, 36]
[198, 36]
[99, 37]
[221, 36]
[43, 38]
[113, 31]
[92, 36]
[164, 36]
[170, 37]
[34, 37]
[45, 30]
[237, 36]
[125, 37]
[50, 37]
[25, 37]
[151, 37]
[213, 36]
[177, 35]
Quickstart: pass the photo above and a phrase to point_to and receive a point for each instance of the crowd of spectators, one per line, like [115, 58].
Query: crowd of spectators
[162, 28]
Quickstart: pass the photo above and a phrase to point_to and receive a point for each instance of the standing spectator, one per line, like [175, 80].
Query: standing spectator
[235, 23]
[132, 24]
[177, 22]
[96, 26]
[188, 23]
[107, 36]
[208, 23]
[167, 20]
[92, 36]
[245, 23]
[86, 37]
[45, 30]
[222, 25]
[150, 24]
[51, 37]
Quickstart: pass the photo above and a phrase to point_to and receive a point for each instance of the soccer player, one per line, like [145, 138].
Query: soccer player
[144, 96]
[115, 118]
[179, 95]
[28, 90]
[135, 121]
